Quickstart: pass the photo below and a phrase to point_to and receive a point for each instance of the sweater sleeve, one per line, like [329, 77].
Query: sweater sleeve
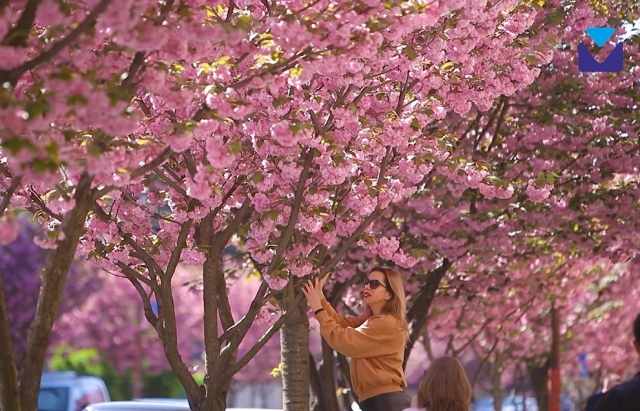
[343, 321]
[360, 342]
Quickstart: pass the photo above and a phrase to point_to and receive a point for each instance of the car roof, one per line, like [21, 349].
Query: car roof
[184, 401]
[139, 406]
[164, 400]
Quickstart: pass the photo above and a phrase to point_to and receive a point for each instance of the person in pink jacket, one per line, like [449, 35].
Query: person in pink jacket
[444, 387]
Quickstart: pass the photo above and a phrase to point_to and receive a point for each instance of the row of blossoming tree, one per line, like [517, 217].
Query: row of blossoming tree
[144, 134]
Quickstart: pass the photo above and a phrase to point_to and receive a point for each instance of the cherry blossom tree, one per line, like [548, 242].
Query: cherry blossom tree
[112, 321]
[158, 132]
[247, 179]
[21, 262]
[463, 225]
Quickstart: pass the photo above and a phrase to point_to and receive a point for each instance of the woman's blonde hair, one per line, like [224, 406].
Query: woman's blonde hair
[445, 386]
[397, 305]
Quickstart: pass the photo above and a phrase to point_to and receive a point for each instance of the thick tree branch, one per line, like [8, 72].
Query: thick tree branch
[171, 183]
[54, 277]
[133, 275]
[167, 316]
[419, 312]
[18, 35]
[9, 388]
[37, 200]
[136, 64]
[13, 75]
[162, 157]
[167, 335]
[284, 65]
[285, 238]
[135, 279]
[483, 362]
[241, 217]
[177, 251]
[503, 113]
[230, 10]
[6, 200]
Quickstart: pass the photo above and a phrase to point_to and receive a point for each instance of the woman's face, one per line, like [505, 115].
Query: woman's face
[376, 289]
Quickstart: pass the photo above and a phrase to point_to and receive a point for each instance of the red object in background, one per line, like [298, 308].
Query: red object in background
[555, 389]
[555, 383]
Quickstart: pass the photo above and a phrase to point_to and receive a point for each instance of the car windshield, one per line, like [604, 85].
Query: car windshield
[53, 399]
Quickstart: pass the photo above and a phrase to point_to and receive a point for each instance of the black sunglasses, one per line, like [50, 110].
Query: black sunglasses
[373, 284]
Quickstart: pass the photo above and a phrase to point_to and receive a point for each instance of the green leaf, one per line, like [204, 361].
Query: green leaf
[273, 214]
[530, 58]
[52, 149]
[68, 135]
[14, 145]
[414, 253]
[42, 165]
[36, 108]
[257, 177]
[279, 102]
[415, 124]
[276, 372]
[446, 67]
[117, 94]
[550, 179]
[410, 52]
[234, 147]
[77, 99]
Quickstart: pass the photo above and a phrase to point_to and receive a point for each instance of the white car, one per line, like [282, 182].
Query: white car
[153, 404]
[66, 391]
[139, 406]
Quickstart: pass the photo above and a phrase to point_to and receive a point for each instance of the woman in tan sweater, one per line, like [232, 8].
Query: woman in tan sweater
[374, 341]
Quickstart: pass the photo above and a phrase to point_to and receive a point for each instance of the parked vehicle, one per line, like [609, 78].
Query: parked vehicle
[139, 406]
[153, 404]
[66, 391]
[183, 401]
[518, 403]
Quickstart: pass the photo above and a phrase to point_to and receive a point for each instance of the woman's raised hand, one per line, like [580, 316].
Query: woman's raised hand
[312, 290]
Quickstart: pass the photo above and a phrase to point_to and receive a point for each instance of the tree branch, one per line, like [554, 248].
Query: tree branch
[245, 211]
[9, 388]
[36, 199]
[13, 75]
[136, 64]
[135, 278]
[419, 312]
[18, 35]
[230, 9]
[295, 210]
[139, 171]
[177, 251]
[54, 277]
[483, 362]
[6, 200]
[170, 183]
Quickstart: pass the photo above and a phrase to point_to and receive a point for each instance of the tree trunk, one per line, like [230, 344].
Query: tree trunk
[54, 277]
[344, 370]
[555, 383]
[496, 382]
[539, 377]
[294, 348]
[325, 388]
[418, 313]
[9, 389]
[216, 395]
